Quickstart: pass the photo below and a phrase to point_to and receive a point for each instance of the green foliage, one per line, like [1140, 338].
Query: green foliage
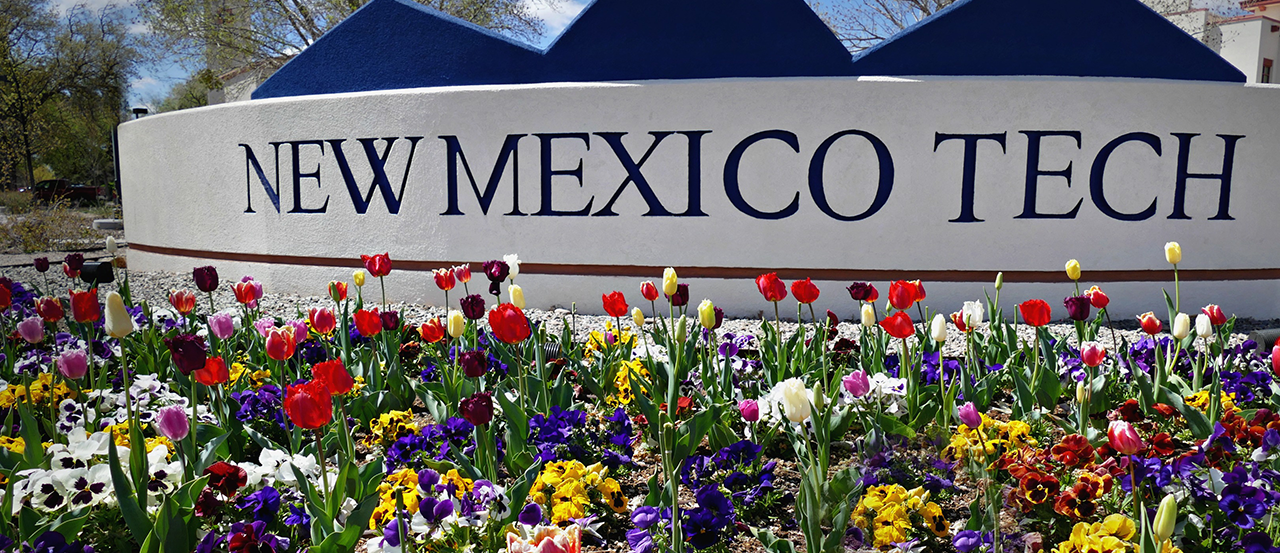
[54, 227]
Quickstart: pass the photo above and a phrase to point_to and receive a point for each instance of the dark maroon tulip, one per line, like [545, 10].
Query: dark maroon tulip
[474, 363]
[473, 306]
[42, 264]
[206, 278]
[1077, 307]
[477, 409]
[390, 320]
[189, 352]
[74, 261]
[719, 318]
[681, 297]
[863, 291]
[496, 270]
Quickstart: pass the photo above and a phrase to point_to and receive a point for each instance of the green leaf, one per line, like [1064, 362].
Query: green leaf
[137, 520]
[772, 543]
[891, 425]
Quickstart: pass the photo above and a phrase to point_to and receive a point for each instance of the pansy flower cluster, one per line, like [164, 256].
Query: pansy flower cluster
[569, 491]
[994, 437]
[893, 514]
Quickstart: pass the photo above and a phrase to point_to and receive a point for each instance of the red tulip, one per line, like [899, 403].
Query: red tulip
[957, 319]
[1275, 360]
[50, 309]
[649, 290]
[1092, 354]
[334, 375]
[1035, 312]
[183, 301]
[898, 325]
[280, 343]
[771, 287]
[432, 331]
[245, 292]
[1097, 298]
[1216, 316]
[509, 324]
[863, 291]
[919, 286]
[445, 279]
[214, 372]
[902, 294]
[309, 405]
[477, 409]
[377, 265]
[6, 297]
[804, 291]
[368, 323]
[84, 306]
[322, 320]
[462, 273]
[1150, 324]
[1124, 438]
[337, 291]
[615, 304]
[71, 273]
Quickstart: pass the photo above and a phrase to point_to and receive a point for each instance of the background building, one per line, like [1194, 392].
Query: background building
[1248, 37]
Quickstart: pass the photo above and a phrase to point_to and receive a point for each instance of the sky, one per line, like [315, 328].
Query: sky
[153, 82]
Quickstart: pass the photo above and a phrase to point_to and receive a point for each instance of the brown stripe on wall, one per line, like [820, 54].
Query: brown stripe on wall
[641, 271]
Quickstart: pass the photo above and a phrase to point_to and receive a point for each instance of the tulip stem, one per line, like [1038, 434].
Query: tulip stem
[324, 475]
[191, 434]
[1177, 291]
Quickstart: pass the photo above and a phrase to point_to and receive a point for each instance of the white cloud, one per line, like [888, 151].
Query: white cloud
[93, 5]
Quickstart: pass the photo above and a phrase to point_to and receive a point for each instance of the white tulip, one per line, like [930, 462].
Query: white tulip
[938, 329]
[1204, 327]
[972, 313]
[795, 399]
[868, 315]
[513, 263]
[1181, 326]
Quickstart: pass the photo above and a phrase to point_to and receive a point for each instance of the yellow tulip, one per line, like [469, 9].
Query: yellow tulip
[707, 314]
[358, 276]
[118, 323]
[637, 317]
[1073, 270]
[1173, 253]
[456, 324]
[669, 281]
[517, 295]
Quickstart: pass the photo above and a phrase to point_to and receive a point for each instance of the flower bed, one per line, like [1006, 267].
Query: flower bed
[347, 427]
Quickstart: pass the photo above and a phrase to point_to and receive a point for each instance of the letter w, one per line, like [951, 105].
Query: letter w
[510, 151]
[379, 165]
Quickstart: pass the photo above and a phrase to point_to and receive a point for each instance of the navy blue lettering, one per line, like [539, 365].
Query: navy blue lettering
[298, 175]
[1034, 172]
[885, 187]
[548, 173]
[970, 169]
[1184, 159]
[510, 151]
[251, 162]
[614, 139]
[1100, 168]
[734, 190]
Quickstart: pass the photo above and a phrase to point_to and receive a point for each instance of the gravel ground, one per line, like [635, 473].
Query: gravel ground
[154, 287]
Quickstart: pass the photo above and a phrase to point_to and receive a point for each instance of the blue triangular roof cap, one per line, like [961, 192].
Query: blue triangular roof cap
[1075, 38]
[388, 44]
[695, 39]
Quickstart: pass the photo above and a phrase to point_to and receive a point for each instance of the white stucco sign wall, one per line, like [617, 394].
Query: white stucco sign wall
[595, 186]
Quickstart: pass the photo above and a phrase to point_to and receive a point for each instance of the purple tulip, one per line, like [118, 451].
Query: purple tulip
[74, 261]
[1077, 307]
[390, 320]
[222, 325]
[206, 278]
[172, 423]
[969, 415]
[188, 351]
[32, 329]
[750, 410]
[42, 264]
[473, 306]
[496, 270]
[73, 363]
[681, 297]
[857, 383]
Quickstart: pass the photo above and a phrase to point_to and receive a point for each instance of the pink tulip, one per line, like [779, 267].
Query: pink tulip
[172, 423]
[857, 383]
[969, 415]
[32, 329]
[73, 363]
[547, 539]
[264, 325]
[300, 329]
[222, 326]
[750, 410]
[1093, 354]
[1124, 438]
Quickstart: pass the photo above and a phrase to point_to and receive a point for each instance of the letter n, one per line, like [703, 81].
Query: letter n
[251, 163]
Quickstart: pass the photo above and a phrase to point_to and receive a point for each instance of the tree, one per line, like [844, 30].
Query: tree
[221, 35]
[862, 24]
[54, 67]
